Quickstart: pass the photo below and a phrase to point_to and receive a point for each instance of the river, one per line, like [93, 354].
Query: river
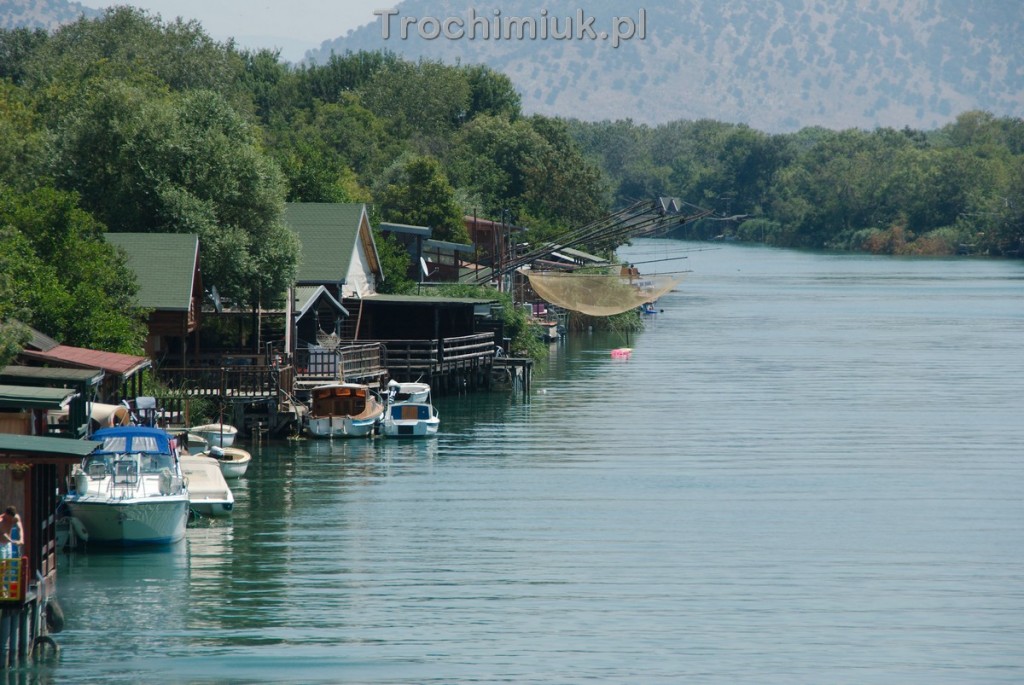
[809, 471]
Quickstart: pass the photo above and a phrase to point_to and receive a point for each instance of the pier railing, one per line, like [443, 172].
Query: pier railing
[227, 381]
[410, 359]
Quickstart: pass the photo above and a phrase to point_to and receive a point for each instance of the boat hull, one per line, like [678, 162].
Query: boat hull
[127, 523]
[340, 427]
[234, 463]
[214, 435]
[208, 491]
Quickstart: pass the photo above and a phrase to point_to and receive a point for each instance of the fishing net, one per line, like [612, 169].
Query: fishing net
[599, 294]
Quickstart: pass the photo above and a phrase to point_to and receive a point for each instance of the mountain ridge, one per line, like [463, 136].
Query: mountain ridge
[42, 14]
[777, 66]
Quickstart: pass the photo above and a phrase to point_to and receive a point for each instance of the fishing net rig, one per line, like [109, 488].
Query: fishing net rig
[615, 289]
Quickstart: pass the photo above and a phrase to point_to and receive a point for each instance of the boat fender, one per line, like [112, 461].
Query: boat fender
[166, 481]
[54, 616]
[41, 642]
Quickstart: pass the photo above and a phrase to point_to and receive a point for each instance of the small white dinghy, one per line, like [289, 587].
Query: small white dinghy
[220, 434]
[233, 461]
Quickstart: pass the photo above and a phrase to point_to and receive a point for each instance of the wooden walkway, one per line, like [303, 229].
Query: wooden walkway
[270, 397]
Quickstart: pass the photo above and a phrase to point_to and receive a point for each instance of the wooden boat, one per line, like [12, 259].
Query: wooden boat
[208, 491]
[344, 410]
[233, 462]
[220, 434]
[130, 491]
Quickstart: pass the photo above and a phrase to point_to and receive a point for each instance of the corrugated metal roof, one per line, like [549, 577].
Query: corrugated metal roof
[41, 341]
[445, 245]
[111, 362]
[31, 397]
[40, 446]
[423, 231]
[50, 374]
[328, 233]
[164, 266]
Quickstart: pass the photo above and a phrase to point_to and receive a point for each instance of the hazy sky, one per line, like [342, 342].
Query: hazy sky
[293, 26]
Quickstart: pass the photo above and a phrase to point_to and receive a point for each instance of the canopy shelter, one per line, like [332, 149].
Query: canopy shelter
[23, 408]
[86, 382]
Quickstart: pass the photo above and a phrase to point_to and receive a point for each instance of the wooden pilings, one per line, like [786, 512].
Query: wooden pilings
[16, 634]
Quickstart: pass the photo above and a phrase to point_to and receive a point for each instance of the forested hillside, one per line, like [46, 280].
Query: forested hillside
[128, 123]
[775, 65]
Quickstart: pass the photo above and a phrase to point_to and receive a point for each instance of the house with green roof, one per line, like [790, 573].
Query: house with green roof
[166, 267]
[338, 250]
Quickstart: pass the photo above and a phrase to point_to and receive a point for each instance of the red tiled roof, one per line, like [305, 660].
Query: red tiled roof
[111, 362]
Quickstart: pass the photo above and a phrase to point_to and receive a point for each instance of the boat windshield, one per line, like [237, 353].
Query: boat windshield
[155, 463]
[140, 443]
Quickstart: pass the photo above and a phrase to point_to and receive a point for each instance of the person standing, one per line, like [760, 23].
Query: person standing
[10, 521]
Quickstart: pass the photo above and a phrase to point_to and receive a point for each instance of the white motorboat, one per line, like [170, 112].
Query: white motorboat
[344, 410]
[410, 413]
[130, 491]
[208, 491]
[408, 392]
[233, 462]
[220, 434]
[411, 420]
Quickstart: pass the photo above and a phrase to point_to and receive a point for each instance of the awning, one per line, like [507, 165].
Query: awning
[26, 397]
[22, 446]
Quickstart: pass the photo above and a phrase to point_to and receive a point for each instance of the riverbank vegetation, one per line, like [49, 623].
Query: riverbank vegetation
[956, 189]
[131, 123]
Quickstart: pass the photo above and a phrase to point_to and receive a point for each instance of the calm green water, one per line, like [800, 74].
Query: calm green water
[810, 471]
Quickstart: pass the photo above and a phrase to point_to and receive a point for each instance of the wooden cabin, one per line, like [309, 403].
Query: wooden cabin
[166, 267]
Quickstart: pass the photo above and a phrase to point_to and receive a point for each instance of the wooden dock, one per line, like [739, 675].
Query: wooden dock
[271, 398]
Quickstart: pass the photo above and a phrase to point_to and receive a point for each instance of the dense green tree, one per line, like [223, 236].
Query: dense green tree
[147, 160]
[23, 139]
[395, 262]
[491, 92]
[418, 98]
[419, 194]
[131, 44]
[17, 46]
[62, 277]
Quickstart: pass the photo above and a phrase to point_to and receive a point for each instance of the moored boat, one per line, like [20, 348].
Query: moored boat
[411, 420]
[233, 461]
[130, 491]
[344, 410]
[410, 413]
[220, 434]
[412, 391]
[208, 491]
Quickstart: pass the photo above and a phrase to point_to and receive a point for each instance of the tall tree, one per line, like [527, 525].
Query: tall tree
[147, 160]
[419, 194]
[62, 277]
